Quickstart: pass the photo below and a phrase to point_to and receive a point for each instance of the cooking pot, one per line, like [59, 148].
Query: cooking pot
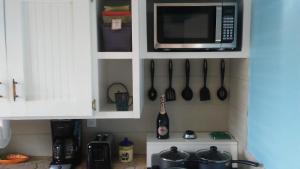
[173, 158]
[214, 159]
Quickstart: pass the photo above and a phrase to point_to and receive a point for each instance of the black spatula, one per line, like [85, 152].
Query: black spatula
[204, 92]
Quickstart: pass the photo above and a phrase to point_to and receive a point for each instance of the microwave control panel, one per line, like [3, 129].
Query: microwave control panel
[228, 24]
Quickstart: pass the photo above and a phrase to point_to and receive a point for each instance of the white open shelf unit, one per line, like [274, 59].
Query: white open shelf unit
[113, 71]
[118, 60]
[116, 67]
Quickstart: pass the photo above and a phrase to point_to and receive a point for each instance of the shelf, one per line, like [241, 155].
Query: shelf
[194, 55]
[114, 55]
[113, 71]
[112, 108]
[202, 138]
[116, 115]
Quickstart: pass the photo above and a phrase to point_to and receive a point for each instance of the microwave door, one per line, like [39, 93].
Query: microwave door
[187, 26]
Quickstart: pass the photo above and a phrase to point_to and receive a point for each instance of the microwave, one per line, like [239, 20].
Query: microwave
[181, 25]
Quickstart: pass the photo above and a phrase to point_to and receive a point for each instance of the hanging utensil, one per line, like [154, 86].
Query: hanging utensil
[204, 92]
[170, 92]
[222, 92]
[152, 93]
[187, 92]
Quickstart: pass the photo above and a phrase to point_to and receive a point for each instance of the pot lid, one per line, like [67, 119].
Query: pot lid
[173, 154]
[213, 155]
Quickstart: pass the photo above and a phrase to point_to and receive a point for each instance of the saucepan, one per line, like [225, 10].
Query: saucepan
[173, 158]
[214, 159]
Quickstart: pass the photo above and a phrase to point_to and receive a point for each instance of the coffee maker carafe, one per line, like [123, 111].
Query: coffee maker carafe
[67, 142]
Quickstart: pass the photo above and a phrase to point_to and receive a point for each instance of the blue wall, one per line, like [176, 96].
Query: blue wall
[274, 103]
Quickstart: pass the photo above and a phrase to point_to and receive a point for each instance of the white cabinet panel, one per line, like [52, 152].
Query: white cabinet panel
[49, 56]
[4, 104]
[48, 52]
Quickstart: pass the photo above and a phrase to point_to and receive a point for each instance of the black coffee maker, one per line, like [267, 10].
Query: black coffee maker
[67, 142]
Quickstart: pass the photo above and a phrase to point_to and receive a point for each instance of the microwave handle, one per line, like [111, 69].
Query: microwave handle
[218, 24]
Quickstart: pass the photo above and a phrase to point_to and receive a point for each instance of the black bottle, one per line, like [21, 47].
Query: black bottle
[162, 123]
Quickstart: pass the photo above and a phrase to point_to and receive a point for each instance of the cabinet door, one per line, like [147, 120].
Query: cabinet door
[4, 102]
[49, 58]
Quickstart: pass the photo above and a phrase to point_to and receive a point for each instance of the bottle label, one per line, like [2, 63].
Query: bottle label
[162, 105]
[162, 130]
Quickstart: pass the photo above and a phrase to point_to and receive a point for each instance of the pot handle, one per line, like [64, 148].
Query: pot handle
[246, 162]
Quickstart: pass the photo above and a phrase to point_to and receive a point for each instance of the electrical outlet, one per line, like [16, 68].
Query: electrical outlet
[91, 123]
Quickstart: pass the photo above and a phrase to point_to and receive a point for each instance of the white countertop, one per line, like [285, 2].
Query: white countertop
[139, 162]
[202, 138]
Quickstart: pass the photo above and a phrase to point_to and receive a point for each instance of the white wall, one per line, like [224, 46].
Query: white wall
[238, 107]
[33, 137]
[239, 102]
[238, 125]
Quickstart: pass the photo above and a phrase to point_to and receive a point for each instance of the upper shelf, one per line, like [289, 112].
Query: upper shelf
[116, 115]
[114, 55]
[194, 55]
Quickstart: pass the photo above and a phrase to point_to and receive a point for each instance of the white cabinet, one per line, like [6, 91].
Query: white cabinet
[4, 105]
[48, 59]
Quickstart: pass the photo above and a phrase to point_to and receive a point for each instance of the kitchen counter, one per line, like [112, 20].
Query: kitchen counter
[33, 163]
[139, 162]
[43, 163]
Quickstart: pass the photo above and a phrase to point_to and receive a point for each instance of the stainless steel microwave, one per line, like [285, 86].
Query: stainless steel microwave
[194, 25]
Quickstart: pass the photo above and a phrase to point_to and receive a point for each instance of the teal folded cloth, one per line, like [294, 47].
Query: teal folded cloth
[220, 135]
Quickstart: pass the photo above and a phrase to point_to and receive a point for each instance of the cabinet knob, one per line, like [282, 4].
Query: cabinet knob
[15, 90]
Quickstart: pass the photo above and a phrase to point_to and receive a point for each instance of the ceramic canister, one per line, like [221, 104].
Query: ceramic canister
[126, 151]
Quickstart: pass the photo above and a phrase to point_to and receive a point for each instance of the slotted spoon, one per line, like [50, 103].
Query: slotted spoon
[170, 92]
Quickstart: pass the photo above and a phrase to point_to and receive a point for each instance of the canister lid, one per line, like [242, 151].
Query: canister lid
[126, 142]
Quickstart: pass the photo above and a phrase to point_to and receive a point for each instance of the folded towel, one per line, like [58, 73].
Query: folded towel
[117, 8]
[116, 13]
[116, 3]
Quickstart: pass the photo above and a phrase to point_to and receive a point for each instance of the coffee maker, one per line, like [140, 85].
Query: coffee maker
[67, 143]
